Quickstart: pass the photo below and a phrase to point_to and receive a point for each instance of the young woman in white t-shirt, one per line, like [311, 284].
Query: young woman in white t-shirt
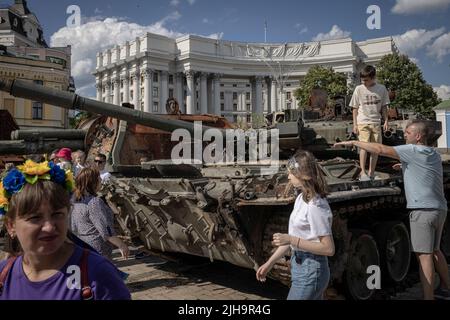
[310, 236]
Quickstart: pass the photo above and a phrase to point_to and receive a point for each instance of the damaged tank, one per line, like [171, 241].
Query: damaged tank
[229, 212]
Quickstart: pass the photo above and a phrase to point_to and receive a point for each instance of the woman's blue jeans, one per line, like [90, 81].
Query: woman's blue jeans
[310, 275]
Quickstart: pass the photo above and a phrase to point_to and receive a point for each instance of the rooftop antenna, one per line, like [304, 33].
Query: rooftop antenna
[265, 31]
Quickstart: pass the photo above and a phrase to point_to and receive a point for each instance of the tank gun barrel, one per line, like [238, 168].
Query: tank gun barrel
[35, 135]
[68, 100]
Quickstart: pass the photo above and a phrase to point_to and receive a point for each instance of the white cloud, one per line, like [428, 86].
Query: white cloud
[217, 36]
[415, 60]
[191, 2]
[174, 3]
[97, 11]
[440, 47]
[299, 27]
[413, 40]
[205, 20]
[334, 33]
[419, 6]
[443, 92]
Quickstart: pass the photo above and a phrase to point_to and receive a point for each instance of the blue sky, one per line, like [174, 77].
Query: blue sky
[421, 27]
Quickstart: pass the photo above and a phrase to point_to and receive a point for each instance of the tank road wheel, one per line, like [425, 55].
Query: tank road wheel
[395, 251]
[363, 253]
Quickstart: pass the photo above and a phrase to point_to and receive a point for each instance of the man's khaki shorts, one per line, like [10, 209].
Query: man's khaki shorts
[369, 133]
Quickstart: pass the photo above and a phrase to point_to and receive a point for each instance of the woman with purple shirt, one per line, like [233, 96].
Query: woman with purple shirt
[36, 202]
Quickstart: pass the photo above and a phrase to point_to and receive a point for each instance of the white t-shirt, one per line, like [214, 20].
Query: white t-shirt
[369, 101]
[312, 220]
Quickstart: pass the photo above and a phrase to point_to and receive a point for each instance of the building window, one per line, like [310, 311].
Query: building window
[121, 84]
[155, 77]
[234, 95]
[222, 95]
[170, 79]
[289, 105]
[196, 94]
[121, 97]
[288, 95]
[248, 86]
[131, 81]
[104, 89]
[247, 96]
[170, 93]
[142, 106]
[155, 92]
[222, 106]
[235, 117]
[288, 85]
[155, 107]
[249, 107]
[185, 94]
[235, 107]
[131, 95]
[249, 118]
[37, 110]
[222, 85]
[234, 85]
[142, 92]
[39, 82]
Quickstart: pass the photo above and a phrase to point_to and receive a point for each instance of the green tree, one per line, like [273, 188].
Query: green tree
[320, 77]
[398, 73]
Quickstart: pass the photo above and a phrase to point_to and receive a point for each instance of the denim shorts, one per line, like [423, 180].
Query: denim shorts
[310, 275]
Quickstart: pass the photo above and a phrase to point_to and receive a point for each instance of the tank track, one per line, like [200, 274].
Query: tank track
[342, 212]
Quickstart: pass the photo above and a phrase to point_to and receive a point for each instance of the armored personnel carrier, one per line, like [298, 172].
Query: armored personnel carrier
[229, 211]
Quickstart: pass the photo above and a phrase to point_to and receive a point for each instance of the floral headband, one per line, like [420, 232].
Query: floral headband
[31, 172]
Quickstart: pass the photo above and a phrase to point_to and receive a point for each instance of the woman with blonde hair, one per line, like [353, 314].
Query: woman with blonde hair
[310, 238]
[91, 219]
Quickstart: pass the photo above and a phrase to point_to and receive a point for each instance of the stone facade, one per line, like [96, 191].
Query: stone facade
[232, 79]
[25, 55]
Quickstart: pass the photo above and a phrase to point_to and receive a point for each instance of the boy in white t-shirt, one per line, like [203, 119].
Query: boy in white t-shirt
[369, 103]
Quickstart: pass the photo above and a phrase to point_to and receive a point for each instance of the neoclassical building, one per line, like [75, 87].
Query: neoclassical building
[233, 79]
[25, 55]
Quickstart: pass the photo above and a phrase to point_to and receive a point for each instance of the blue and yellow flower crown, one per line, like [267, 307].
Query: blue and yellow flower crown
[31, 172]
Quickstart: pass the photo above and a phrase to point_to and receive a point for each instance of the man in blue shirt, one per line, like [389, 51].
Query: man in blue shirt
[423, 179]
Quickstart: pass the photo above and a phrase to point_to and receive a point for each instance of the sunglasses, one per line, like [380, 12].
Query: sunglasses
[99, 161]
[292, 164]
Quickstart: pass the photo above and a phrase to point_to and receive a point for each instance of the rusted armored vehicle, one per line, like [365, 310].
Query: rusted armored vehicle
[229, 211]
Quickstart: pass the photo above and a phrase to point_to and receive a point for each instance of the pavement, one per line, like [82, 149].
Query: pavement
[184, 277]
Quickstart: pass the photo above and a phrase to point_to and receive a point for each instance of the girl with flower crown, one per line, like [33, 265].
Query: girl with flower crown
[310, 238]
[36, 201]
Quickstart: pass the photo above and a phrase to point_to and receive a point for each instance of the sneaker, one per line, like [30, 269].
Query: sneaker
[442, 294]
[364, 177]
[375, 178]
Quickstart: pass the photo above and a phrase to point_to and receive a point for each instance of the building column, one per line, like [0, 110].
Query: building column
[98, 86]
[148, 94]
[107, 85]
[258, 109]
[216, 85]
[210, 96]
[136, 88]
[126, 87]
[204, 93]
[180, 91]
[273, 96]
[116, 84]
[190, 99]
[164, 91]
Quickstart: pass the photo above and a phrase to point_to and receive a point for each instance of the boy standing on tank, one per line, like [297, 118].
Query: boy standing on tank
[369, 103]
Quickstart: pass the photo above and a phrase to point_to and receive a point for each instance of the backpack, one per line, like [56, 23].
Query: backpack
[86, 290]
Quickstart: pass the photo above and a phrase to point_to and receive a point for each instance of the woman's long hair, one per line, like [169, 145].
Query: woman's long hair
[307, 170]
[86, 183]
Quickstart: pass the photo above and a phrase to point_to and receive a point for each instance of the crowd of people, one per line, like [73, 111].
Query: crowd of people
[55, 219]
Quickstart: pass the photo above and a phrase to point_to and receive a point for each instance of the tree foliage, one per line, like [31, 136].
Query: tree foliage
[398, 73]
[320, 77]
